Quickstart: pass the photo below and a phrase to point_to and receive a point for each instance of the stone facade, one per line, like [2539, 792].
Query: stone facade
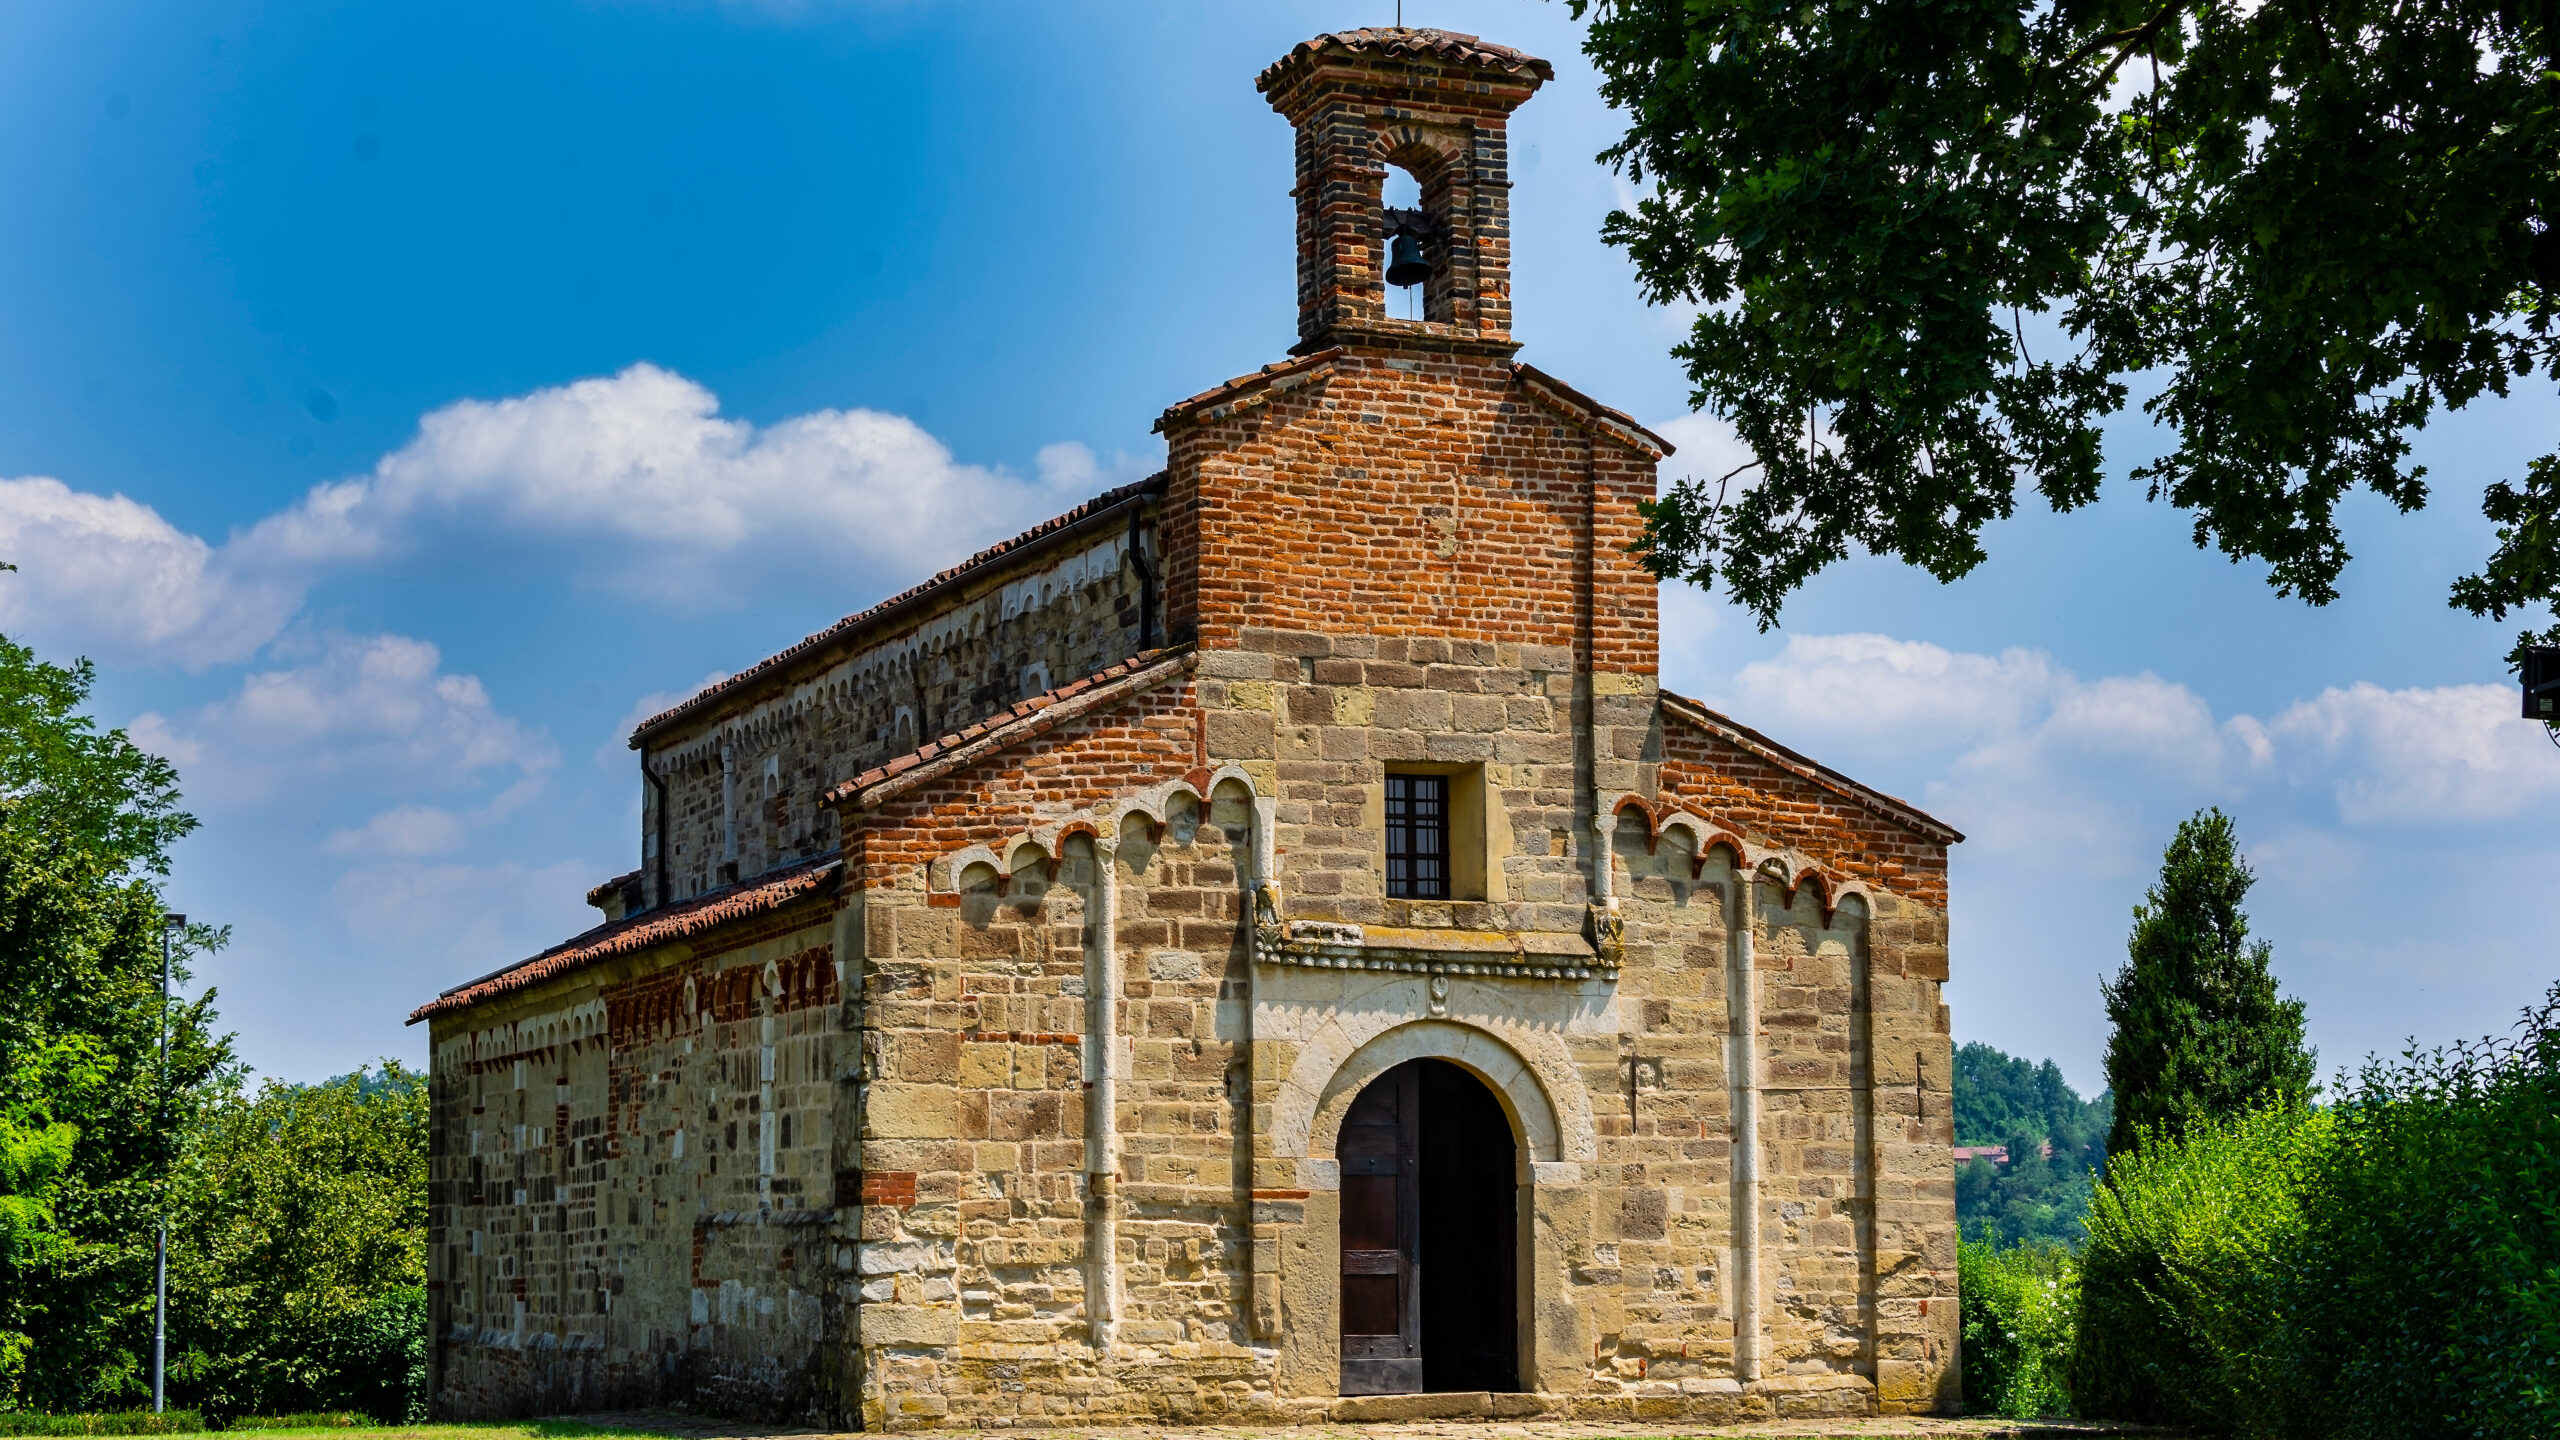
[1035, 1073]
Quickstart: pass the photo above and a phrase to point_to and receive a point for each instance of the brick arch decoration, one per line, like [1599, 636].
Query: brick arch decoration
[1420, 151]
[1789, 867]
[1152, 806]
[1528, 1070]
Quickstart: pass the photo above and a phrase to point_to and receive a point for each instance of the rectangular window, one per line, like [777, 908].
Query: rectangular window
[1418, 837]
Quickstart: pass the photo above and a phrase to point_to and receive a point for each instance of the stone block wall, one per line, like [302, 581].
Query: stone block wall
[632, 1185]
[978, 1000]
[762, 764]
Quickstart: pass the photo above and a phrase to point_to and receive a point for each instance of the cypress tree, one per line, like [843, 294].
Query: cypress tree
[2199, 1028]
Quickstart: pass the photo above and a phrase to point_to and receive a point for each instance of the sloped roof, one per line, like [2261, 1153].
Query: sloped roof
[844, 629]
[769, 891]
[1414, 42]
[1564, 397]
[1017, 722]
[1865, 797]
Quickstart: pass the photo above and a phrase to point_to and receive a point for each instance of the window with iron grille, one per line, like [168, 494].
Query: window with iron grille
[1418, 837]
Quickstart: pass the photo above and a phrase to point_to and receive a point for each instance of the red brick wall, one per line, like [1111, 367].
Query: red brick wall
[1726, 782]
[1143, 741]
[1409, 494]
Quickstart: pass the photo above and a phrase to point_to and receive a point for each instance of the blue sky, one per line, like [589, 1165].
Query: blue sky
[395, 399]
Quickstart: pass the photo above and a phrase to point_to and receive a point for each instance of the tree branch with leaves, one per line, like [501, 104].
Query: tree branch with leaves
[2316, 226]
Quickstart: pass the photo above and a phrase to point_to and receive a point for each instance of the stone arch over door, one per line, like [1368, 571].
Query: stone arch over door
[1552, 1129]
[1480, 1053]
[1527, 1065]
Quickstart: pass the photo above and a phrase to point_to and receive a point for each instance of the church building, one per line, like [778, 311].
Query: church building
[1260, 947]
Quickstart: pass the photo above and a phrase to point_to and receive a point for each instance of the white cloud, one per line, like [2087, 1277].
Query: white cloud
[1910, 691]
[638, 483]
[632, 481]
[2046, 760]
[618, 749]
[1705, 446]
[405, 830]
[1070, 468]
[362, 710]
[2449, 754]
[102, 574]
[481, 916]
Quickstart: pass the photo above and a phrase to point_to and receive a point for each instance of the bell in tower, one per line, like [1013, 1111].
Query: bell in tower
[1436, 105]
[1405, 265]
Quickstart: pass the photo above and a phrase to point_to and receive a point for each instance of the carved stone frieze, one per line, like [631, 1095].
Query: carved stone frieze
[1520, 954]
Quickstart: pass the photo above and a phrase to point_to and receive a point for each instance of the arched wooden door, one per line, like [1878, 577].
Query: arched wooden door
[1429, 1235]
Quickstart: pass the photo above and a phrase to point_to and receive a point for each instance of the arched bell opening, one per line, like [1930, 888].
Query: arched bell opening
[1414, 236]
[1431, 1244]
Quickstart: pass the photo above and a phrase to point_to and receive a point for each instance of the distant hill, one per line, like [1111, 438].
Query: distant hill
[2026, 1106]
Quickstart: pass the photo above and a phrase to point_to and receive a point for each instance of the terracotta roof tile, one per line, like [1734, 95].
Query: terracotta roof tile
[1278, 370]
[1418, 43]
[845, 627]
[1866, 797]
[668, 922]
[1017, 716]
[1559, 392]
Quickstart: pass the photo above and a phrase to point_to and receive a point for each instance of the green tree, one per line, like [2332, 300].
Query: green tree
[2200, 1030]
[299, 1280]
[86, 819]
[2037, 1197]
[2314, 223]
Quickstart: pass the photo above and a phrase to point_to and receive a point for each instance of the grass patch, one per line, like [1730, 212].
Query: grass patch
[111, 1422]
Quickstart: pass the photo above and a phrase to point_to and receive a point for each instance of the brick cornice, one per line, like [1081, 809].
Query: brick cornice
[1031, 718]
[1590, 413]
[1246, 391]
[1875, 802]
[685, 918]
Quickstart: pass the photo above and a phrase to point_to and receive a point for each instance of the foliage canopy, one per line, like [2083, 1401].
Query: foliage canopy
[2200, 1029]
[2316, 224]
[2029, 1108]
[86, 819]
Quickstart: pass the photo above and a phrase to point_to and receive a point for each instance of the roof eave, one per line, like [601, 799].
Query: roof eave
[829, 645]
[1866, 797]
[855, 795]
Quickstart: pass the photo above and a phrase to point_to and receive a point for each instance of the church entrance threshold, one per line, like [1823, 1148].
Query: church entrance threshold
[1430, 1235]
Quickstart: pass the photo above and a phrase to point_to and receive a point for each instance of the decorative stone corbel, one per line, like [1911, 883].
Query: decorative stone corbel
[1608, 932]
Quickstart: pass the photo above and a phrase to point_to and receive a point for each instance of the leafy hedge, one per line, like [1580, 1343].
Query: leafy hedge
[2179, 1277]
[2386, 1268]
[2018, 1315]
[2426, 1300]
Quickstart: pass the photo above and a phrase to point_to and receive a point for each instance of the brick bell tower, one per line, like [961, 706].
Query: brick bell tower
[1437, 105]
[1408, 477]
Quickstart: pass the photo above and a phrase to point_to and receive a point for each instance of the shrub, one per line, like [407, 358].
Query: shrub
[297, 1277]
[2018, 1311]
[319, 1420]
[112, 1422]
[2187, 1244]
[2426, 1300]
[372, 1359]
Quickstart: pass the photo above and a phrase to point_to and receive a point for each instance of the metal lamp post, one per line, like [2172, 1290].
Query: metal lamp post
[170, 925]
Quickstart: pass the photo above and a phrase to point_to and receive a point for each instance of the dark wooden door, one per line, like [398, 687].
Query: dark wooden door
[1381, 1154]
[1470, 1233]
